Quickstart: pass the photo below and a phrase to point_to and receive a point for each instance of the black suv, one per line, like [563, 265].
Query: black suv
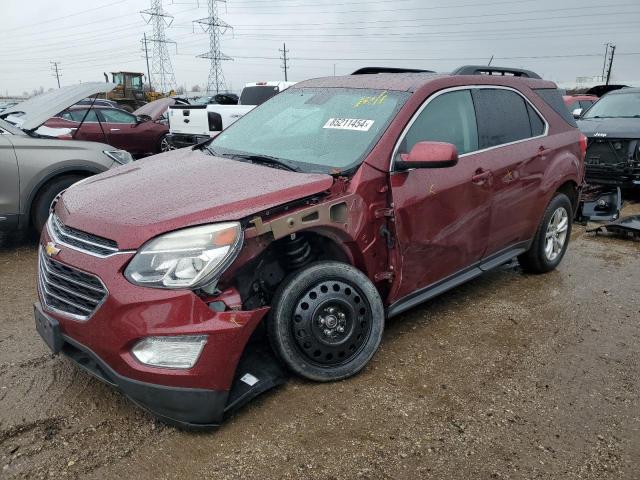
[613, 128]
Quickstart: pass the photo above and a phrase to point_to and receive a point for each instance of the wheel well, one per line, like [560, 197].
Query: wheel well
[258, 280]
[570, 189]
[48, 181]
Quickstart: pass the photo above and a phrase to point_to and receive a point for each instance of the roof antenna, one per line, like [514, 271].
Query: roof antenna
[490, 60]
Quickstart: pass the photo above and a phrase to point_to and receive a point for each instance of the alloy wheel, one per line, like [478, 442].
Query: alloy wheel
[556, 234]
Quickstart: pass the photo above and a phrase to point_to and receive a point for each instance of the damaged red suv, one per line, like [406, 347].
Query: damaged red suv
[337, 204]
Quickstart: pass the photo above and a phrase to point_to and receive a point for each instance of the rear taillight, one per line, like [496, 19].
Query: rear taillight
[583, 146]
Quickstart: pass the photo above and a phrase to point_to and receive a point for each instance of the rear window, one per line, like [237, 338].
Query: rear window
[257, 95]
[553, 98]
[502, 117]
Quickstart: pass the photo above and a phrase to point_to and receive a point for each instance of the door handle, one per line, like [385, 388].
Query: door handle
[481, 177]
[542, 151]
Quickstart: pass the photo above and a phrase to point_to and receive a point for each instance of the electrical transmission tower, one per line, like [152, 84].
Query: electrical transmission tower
[161, 68]
[215, 27]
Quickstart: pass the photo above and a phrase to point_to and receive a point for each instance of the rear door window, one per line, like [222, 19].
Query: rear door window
[503, 117]
[449, 118]
[78, 115]
[537, 124]
[117, 116]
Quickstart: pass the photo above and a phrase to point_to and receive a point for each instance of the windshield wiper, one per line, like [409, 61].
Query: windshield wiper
[267, 160]
[253, 158]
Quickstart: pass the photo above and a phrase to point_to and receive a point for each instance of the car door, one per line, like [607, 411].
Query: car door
[121, 129]
[9, 179]
[512, 136]
[85, 121]
[441, 214]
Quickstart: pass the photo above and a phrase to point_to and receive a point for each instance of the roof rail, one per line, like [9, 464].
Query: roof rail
[370, 70]
[488, 70]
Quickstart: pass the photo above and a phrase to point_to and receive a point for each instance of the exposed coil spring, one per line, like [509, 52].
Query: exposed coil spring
[297, 252]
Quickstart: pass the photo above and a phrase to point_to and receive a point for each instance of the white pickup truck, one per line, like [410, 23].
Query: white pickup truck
[191, 124]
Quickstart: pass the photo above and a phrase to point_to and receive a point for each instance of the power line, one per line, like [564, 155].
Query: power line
[215, 27]
[82, 12]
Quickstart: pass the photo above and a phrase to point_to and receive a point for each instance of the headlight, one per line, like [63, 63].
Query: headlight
[189, 258]
[170, 352]
[121, 156]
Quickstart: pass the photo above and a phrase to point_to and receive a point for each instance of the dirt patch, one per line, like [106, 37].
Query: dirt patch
[509, 376]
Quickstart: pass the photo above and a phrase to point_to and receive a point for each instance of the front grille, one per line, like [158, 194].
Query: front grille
[610, 151]
[67, 290]
[80, 240]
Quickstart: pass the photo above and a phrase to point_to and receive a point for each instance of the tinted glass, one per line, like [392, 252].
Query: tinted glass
[585, 104]
[502, 117]
[315, 129]
[257, 95]
[117, 116]
[553, 98]
[449, 118]
[537, 124]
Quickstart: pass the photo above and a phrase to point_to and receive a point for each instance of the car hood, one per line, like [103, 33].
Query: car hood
[37, 110]
[156, 108]
[610, 127]
[133, 203]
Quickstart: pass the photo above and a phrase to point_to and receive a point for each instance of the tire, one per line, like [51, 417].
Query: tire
[164, 145]
[46, 195]
[552, 237]
[326, 321]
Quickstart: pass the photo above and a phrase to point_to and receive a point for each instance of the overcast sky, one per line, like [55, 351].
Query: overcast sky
[560, 40]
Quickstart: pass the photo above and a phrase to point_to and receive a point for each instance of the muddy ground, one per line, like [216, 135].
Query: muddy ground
[509, 376]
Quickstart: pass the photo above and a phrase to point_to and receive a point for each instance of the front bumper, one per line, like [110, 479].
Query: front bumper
[624, 176]
[181, 140]
[102, 344]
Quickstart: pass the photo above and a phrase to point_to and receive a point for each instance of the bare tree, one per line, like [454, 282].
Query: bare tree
[196, 88]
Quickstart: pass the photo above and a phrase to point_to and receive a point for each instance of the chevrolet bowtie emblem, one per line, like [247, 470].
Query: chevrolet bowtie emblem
[51, 250]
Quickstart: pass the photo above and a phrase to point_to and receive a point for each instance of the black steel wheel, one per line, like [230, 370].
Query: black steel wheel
[326, 321]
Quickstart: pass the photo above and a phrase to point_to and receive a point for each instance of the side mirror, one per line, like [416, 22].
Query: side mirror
[429, 155]
[577, 113]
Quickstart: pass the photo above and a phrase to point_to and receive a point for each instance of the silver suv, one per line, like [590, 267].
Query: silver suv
[35, 168]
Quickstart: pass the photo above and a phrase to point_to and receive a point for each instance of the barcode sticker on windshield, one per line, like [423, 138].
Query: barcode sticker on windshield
[349, 124]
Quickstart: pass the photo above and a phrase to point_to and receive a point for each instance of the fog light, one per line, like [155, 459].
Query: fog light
[170, 352]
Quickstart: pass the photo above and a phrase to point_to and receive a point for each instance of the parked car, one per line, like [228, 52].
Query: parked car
[613, 128]
[333, 206]
[34, 169]
[138, 134]
[217, 99]
[577, 104]
[191, 124]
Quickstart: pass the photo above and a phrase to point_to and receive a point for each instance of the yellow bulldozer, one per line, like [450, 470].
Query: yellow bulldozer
[130, 92]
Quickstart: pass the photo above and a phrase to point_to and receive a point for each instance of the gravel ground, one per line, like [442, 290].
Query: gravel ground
[509, 376]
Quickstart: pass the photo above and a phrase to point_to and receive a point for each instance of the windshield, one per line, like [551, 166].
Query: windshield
[257, 95]
[315, 129]
[618, 105]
